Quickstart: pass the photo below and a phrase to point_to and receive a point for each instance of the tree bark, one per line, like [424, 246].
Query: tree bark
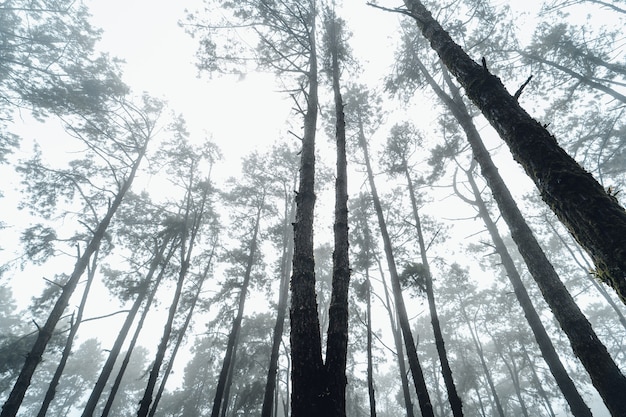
[306, 346]
[593, 217]
[337, 335]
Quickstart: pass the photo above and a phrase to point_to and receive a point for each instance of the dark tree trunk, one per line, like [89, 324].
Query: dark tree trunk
[416, 369]
[51, 392]
[13, 402]
[537, 382]
[604, 372]
[593, 217]
[453, 397]
[370, 361]
[306, 345]
[337, 335]
[131, 346]
[549, 354]
[231, 345]
[269, 401]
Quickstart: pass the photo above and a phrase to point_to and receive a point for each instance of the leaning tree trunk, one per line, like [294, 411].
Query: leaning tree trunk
[107, 368]
[416, 370]
[603, 371]
[231, 345]
[453, 397]
[13, 402]
[337, 335]
[594, 217]
[51, 392]
[131, 346]
[549, 354]
[181, 336]
[370, 361]
[397, 339]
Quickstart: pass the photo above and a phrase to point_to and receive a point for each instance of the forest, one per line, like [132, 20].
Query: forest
[313, 208]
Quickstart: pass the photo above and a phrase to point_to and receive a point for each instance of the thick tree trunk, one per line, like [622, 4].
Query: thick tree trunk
[453, 397]
[306, 346]
[233, 337]
[269, 401]
[549, 354]
[337, 335]
[13, 402]
[593, 217]
[416, 369]
[51, 392]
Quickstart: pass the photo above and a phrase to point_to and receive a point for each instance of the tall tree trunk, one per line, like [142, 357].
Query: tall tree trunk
[577, 405]
[594, 218]
[107, 368]
[416, 369]
[51, 392]
[370, 359]
[269, 401]
[181, 336]
[231, 345]
[131, 347]
[586, 345]
[483, 362]
[537, 382]
[337, 335]
[453, 397]
[397, 339]
[306, 345]
[13, 402]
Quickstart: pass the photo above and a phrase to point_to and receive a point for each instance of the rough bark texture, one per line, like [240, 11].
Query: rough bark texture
[306, 345]
[453, 397]
[603, 371]
[416, 370]
[13, 402]
[337, 340]
[593, 217]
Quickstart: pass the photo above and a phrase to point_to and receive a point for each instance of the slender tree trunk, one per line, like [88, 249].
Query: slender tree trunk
[269, 401]
[306, 345]
[181, 336]
[483, 362]
[370, 361]
[13, 402]
[577, 405]
[131, 346]
[397, 338]
[453, 397]
[416, 369]
[537, 382]
[51, 392]
[92, 402]
[337, 335]
[229, 383]
[593, 217]
[231, 345]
